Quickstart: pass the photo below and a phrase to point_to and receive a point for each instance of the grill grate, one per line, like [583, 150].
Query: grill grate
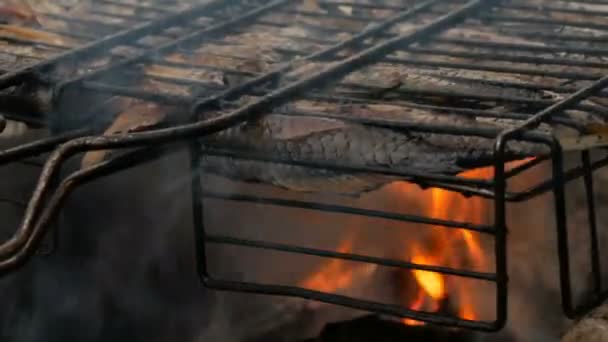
[424, 37]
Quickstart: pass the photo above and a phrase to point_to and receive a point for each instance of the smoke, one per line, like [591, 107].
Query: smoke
[124, 267]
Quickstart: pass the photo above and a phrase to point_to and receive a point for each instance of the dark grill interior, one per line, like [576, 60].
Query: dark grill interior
[540, 64]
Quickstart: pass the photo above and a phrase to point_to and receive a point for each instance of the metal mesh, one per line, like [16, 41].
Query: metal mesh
[182, 65]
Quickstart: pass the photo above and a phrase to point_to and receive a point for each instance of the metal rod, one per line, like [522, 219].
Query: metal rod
[192, 37]
[511, 58]
[363, 5]
[445, 109]
[38, 147]
[561, 37]
[221, 239]
[38, 216]
[13, 245]
[543, 21]
[404, 173]
[562, 230]
[198, 219]
[598, 52]
[592, 221]
[494, 68]
[139, 6]
[543, 187]
[37, 228]
[552, 8]
[364, 19]
[360, 304]
[500, 225]
[333, 208]
[559, 106]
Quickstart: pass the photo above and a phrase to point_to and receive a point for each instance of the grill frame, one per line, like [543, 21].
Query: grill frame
[38, 219]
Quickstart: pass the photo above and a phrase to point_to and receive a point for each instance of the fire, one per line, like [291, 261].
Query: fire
[459, 248]
[335, 275]
[417, 304]
[432, 283]
[455, 248]
[338, 274]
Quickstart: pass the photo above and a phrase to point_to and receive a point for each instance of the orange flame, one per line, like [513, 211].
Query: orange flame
[338, 274]
[335, 275]
[455, 248]
[446, 248]
[432, 283]
[418, 304]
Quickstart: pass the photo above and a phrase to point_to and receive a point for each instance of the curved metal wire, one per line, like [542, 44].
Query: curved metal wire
[46, 200]
[20, 246]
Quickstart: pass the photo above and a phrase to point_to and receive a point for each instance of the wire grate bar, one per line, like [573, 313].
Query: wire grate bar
[277, 98]
[147, 7]
[189, 39]
[12, 249]
[37, 147]
[403, 173]
[393, 310]
[559, 36]
[532, 83]
[560, 106]
[219, 239]
[514, 59]
[351, 211]
[524, 47]
[544, 187]
[353, 4]
[552, 8]
[561, 23]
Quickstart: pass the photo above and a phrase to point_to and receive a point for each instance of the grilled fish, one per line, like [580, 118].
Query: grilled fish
[288, 134]
[289, 137]
[292, 134]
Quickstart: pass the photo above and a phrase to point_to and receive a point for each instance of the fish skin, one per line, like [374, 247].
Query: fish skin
[337, 143]
[464, 83]
[289, 137]
[424, 81]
